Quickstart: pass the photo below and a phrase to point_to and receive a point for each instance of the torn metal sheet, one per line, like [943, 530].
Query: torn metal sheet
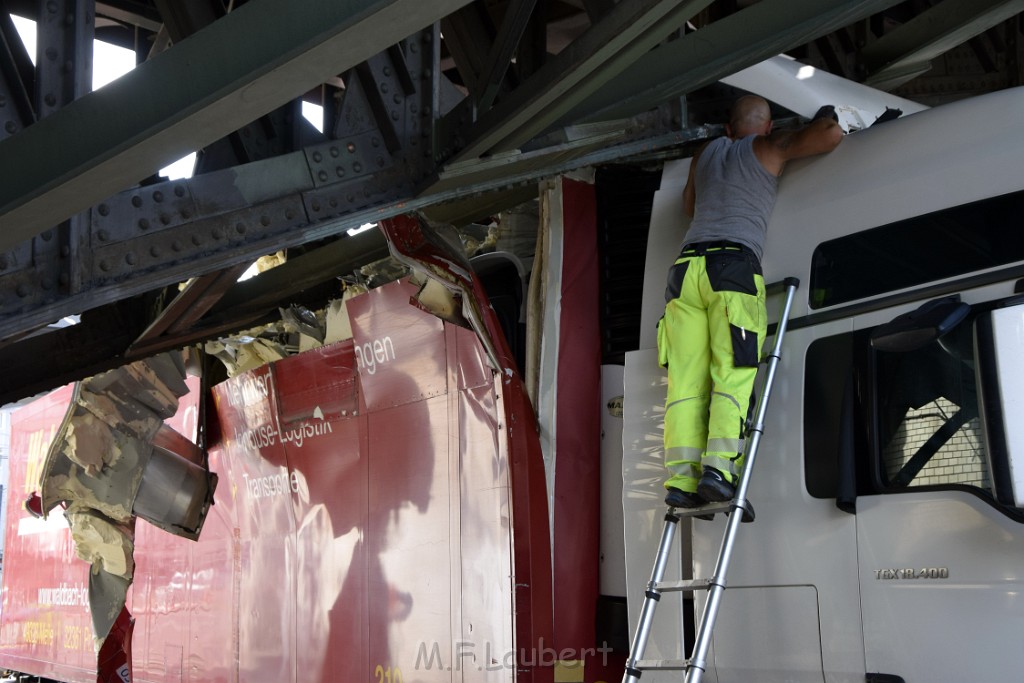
[107, 596]
[89, 443]
[105, 545]
[441, 293]
[433, 252]
[110, 491]
[251, 349]
[437, 299]
[339, 325]
[104, 470]
[155, 383]
[307, 322]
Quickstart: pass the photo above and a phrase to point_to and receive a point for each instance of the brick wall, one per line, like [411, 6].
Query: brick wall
[961, 460]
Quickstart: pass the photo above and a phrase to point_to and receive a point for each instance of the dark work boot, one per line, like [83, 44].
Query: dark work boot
[714, 487]
[678, 498]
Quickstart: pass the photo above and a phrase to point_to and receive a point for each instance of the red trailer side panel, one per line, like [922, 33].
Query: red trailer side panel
[45, 620]
[45, 627]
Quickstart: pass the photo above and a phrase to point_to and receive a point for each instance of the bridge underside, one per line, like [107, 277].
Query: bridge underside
[453, 108]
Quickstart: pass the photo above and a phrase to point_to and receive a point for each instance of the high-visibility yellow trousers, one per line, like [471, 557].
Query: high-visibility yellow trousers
[710, 340]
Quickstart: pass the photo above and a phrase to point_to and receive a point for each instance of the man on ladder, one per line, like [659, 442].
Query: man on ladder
[710, 340]
[715, 322]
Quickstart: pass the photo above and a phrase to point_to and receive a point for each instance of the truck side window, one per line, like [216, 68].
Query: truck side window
[928, 423]
[947, 243]
[884, 422]
[829, 366]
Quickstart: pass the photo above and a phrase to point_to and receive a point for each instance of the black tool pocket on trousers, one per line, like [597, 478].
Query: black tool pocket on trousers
[744, 347]
[663, 347]
[675, 280]
[732, 271]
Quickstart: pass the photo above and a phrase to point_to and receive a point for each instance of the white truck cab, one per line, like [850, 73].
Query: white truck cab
[889, 489]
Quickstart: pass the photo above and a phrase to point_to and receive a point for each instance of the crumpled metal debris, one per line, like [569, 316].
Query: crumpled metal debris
[96, 466]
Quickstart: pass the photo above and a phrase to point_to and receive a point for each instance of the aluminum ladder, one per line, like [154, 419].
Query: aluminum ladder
[696, 665]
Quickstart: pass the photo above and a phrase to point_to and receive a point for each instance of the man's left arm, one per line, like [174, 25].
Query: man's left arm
[820, 136]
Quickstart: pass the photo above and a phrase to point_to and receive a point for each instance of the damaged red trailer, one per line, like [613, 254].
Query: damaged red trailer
[329, 551]
[381, 515]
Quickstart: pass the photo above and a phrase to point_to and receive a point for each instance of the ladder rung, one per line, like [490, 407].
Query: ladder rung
[708, 509]
[711, 509]
[686, 585]
[662, 664]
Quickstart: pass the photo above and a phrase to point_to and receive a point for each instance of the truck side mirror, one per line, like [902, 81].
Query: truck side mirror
[914, 330]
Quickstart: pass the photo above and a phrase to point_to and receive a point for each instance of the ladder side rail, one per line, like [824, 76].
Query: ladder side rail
[698, 662]
[651, 597]
[774, 358]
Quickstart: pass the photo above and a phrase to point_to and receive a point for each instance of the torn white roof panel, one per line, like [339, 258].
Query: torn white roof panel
[803, 89]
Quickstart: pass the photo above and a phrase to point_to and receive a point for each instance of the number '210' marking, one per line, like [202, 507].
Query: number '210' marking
[387, 674]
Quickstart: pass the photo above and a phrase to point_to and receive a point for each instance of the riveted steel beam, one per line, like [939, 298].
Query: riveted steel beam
[163, 233]
[65, 31]
[253, 60]
[153, 244]
[381, 89]
[105, 337]
[724, 47]
[907, 51]
[64, 37]
[16, 81]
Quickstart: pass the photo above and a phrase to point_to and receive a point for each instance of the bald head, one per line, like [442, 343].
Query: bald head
[750, 115]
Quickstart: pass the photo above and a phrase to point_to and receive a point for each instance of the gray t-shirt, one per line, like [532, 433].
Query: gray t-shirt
[735, 195]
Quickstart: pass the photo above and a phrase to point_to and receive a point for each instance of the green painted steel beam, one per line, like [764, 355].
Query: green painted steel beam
[242, 66]
[724, 47]
[907, 51]
[631, 29]
[517, 15]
